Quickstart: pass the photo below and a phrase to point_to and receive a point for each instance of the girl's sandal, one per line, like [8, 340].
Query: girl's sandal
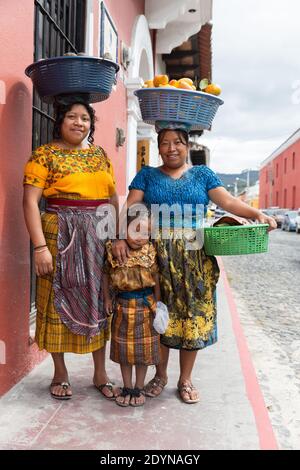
[124, 394]
[137, 393]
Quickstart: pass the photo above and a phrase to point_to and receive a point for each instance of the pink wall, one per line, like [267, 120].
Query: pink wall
[284, 188]
[15, 142]
[123, 14]
[112, 113]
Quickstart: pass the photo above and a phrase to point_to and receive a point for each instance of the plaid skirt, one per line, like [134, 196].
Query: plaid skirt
[51, 334]
[133, 338]
[188, 280]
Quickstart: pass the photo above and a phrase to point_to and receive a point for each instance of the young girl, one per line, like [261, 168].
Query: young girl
[134, 341]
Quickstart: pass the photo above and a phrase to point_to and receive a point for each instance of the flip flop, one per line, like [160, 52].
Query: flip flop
[125, 392]
[136, 393]
[110, 386]
[155, 384]
[65, 386]
[186, 387]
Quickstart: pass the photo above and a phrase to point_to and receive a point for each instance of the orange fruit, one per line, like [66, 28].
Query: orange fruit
[148, 84]
[174, 83]
[185, 85]
[161, 80]
[188, 80]
[213, 89]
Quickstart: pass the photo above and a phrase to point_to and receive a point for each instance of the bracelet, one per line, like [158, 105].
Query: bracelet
[41, 251]
[37, 247]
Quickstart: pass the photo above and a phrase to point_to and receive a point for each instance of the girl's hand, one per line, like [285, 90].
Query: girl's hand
[108, 307]
[120, 250]
[43, 262]
[266, 219]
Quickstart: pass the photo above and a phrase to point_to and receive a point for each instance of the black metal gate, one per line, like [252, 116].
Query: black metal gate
[59, 28]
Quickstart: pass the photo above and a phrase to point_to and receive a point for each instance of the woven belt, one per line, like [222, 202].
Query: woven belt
[137, 294]
[54, 204]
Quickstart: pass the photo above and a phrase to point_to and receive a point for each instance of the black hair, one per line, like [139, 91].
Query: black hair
[62, 107]
[182, 135]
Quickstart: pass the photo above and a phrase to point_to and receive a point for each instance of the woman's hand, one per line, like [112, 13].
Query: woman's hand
[233, 205]
[265, 219]
[43, 262]
[108, 307]
[120, 250]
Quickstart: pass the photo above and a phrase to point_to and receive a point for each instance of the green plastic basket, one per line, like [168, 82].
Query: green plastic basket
[236, 240]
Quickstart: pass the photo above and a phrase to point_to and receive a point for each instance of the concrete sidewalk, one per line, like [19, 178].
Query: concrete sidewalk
[230, 415]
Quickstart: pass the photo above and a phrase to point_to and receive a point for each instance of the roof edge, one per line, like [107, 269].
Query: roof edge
[286, 144]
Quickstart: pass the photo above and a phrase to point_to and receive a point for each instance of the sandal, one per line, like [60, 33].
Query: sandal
[110, 386]
[137, 393]
[186, 388]
[125, 393]
[65, 386]
[156, 384]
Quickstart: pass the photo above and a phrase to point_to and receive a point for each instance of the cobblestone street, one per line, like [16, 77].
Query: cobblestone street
[266, 288]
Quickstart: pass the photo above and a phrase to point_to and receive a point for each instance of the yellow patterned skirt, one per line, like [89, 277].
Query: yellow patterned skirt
[51, 334]
[188, 280]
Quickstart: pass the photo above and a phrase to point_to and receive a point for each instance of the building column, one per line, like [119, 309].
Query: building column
[133, 117]
[147, 132]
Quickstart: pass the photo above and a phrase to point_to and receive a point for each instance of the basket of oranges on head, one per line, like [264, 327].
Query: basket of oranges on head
[180, 101]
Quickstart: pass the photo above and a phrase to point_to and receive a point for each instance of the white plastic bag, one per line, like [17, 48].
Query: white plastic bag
[161, 319]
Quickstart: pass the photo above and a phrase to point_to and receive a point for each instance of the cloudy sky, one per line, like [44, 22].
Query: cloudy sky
[256, 61]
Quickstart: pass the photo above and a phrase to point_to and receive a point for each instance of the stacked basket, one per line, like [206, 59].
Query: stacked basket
[194, 108]
[90, 77]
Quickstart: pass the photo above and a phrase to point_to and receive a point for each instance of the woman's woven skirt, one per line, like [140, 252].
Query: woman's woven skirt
[188, 281]
[51, 333]
[133, 338]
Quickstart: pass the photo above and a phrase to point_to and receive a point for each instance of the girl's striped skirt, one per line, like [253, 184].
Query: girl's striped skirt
[133, 338]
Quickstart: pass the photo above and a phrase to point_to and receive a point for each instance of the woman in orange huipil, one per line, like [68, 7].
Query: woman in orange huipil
[75, 176]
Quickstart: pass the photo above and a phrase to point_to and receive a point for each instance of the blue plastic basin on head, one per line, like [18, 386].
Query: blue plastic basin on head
[166, 104]
[91, 76]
